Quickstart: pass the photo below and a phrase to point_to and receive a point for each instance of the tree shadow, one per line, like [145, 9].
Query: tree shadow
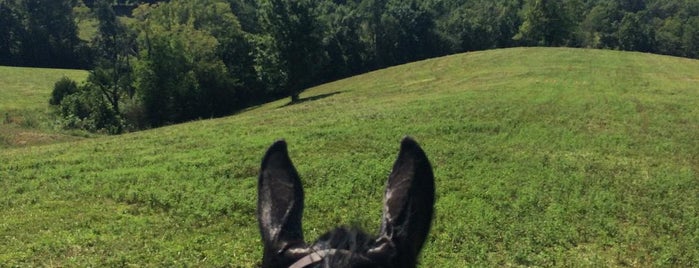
[311, 98]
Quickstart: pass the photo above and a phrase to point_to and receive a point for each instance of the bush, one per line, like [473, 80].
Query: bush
[87, 109]
[74, 105]
[63, 87]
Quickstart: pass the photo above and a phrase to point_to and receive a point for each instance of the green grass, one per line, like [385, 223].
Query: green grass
[542, 157]
[30, 88]
[24, 105]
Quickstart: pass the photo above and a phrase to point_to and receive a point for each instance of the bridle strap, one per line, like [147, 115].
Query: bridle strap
[312, 258]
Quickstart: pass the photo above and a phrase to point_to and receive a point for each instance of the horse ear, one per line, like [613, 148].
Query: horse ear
[407, 205]
[279, 206]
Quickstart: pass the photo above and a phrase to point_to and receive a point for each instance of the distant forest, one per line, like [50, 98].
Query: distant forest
[160, 62]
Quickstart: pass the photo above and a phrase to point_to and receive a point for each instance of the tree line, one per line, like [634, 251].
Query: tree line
[180, 60]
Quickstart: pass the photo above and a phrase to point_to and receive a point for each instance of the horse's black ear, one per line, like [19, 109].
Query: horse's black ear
[407, 206]
[279, 206]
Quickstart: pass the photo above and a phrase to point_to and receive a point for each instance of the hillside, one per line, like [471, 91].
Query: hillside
[24, 109]
[542, 157]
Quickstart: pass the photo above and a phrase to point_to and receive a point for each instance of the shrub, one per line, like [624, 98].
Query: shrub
[63, 87]
[87, 109]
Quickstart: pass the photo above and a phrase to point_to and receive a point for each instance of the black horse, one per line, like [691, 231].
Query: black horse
[407, 215]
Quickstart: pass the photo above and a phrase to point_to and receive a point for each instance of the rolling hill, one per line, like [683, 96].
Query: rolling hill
[542, 157]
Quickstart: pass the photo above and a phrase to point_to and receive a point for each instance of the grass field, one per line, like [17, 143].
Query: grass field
[24, 108]
[542, 157]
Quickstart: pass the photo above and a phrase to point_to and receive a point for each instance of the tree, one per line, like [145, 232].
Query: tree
[234, 48]
[164, 77]
[407, 34]
[545, 24]
[180, 74]
[51, 38]
[246, 12]
[481, 25]
[347, 52]
[669, 36]
[12, 31]
[373, 10]
[690, 38]
[114, 47]
[295, 34]
[600, 26]
[634, 34]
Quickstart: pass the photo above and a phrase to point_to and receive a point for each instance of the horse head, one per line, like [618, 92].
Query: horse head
[407, 215]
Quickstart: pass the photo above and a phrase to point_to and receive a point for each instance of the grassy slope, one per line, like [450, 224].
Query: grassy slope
[541, 157]
[24, 108]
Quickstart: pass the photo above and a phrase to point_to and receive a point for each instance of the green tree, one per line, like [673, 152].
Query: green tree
[235, 49]
[51, 38]
[114, 47]
[544, 24]
[481, 25]
[12, 31]
[407, 33]
[690, 38]
[348, 53]
[180, 74]
[372, 11]
[669, 36]
[295, 35]
[634, 33]
[165, 79]
[246, 12]
[600, 26]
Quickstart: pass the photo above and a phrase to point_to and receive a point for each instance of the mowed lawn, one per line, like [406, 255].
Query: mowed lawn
[542, 157]
[24, 105]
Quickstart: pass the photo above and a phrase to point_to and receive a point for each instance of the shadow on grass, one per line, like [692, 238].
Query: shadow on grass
[311, 98]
